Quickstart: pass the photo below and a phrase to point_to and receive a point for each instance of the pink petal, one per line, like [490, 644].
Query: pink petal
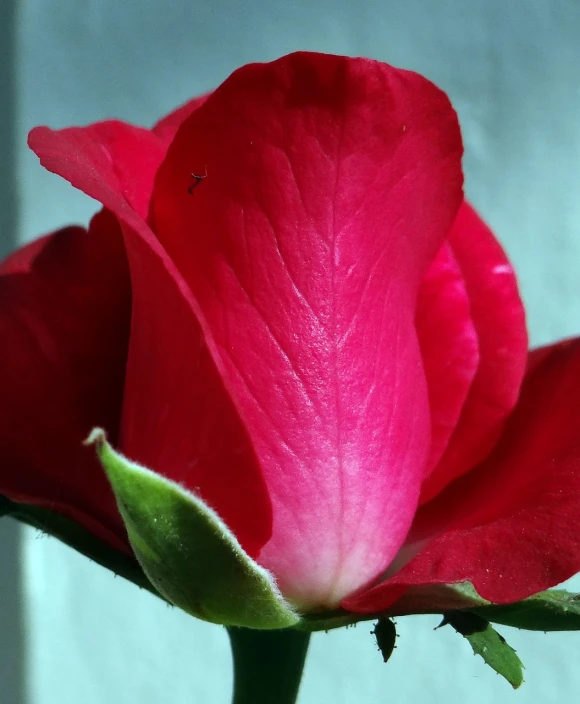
[512, 529]
[64, 325]
[330, 186]
[498, 314]
[177, 418]
[449, 346]
[113, 162]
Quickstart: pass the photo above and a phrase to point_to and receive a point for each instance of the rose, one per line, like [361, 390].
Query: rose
[317, 339]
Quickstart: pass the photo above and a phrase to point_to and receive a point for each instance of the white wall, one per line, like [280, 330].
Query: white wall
[512, 72]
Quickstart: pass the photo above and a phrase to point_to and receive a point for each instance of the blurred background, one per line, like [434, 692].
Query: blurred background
[70, 632]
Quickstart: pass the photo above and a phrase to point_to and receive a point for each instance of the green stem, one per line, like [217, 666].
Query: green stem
[267, 665]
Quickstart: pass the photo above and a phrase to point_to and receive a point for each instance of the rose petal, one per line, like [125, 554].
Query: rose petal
[179, 419]
[514, 536]
[449, 346]
[330, 186]
[113, 162]
[174, 396]
[498, 314]
[64, 326]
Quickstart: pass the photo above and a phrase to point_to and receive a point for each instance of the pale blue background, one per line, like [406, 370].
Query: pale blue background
[512, 70]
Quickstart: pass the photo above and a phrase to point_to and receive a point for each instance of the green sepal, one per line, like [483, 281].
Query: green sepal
[187, 552]
[489, 644]
[554, 610]
[76, 537]
[436, 599]
[426, 599]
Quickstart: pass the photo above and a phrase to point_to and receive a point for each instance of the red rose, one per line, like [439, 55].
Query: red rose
[318, 339]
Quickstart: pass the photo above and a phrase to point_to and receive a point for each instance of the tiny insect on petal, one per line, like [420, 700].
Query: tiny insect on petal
[197, 179]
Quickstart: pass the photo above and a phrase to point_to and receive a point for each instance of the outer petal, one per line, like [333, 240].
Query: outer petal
[64, 326]
[330, 186]
[449, 346]
[177, 417]
[515, 535]
[498, 314]
[113, 162]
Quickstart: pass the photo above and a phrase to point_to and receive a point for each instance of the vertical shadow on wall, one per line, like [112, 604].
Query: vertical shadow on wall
[12, 684]
[8, 196]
